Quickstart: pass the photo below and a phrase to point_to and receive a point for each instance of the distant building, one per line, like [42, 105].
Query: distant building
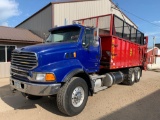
[11, 38]
[153, 55]
[62, 12]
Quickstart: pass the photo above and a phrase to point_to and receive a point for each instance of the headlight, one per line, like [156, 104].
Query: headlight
[40, 77]
[44, 77]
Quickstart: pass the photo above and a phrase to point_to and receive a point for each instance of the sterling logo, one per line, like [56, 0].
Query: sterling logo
[24, 62]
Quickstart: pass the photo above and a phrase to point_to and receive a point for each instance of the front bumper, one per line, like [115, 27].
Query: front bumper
[35, 89]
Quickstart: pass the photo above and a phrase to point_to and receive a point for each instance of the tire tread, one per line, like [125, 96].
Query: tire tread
[128, 80]
[60, 97]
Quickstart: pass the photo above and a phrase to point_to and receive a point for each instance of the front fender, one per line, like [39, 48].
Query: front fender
[71, 73]
[80, 73]
[61, 69]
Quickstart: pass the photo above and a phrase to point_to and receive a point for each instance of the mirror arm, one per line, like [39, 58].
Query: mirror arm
[97, 33]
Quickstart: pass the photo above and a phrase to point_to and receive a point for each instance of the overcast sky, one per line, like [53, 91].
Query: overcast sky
[13, 12]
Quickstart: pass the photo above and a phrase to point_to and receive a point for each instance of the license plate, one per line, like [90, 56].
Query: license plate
[17, 84]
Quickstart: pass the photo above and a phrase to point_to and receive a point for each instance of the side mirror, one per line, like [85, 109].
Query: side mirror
[96, 43]
[96, 38]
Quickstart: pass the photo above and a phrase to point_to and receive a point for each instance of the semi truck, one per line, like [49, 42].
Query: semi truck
[79, 60]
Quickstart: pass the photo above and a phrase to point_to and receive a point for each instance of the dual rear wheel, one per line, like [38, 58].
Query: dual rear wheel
[137, 74]
[133, 75]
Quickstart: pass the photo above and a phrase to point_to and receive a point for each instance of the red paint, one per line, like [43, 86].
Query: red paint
[123, 52]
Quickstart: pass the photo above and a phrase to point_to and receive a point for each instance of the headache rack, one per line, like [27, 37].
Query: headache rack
[112, 25]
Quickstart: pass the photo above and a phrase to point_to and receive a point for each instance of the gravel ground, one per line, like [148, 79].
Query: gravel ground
[138, 102]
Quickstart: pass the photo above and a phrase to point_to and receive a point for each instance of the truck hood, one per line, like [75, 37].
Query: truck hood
[51, 52]
[49, 47]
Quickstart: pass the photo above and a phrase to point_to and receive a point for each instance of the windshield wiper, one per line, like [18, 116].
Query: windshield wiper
[61, 41]
[48, 41]
[53, 42]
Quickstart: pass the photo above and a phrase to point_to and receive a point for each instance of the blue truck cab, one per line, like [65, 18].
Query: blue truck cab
[62, 66]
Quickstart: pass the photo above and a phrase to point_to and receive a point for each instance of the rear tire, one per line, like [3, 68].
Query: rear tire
[130, 79]
[73, 96]
[137, 74]
[31, 97]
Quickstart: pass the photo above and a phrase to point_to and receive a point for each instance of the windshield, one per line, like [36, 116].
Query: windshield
[68, 34]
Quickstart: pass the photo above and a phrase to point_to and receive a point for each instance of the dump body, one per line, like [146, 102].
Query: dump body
[119, 53]
[122, 45]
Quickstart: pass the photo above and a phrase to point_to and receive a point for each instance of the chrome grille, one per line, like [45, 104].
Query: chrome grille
[25, 60]
[19, 72]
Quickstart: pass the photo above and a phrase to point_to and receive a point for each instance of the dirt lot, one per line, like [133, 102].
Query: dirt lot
[138, 102]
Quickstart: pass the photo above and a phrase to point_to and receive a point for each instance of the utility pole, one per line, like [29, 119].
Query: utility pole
[154, 59]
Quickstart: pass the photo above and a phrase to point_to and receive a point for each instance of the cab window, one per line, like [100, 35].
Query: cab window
[88, 37]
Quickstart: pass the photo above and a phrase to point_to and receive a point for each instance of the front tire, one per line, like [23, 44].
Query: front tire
[73, 96]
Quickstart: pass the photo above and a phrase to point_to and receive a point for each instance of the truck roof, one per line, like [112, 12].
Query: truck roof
[73, 25]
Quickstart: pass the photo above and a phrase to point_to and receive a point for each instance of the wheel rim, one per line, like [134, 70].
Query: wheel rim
[133, 77]
[77, 96]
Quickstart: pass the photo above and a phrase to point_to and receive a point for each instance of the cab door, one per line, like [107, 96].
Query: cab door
[90, 51]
